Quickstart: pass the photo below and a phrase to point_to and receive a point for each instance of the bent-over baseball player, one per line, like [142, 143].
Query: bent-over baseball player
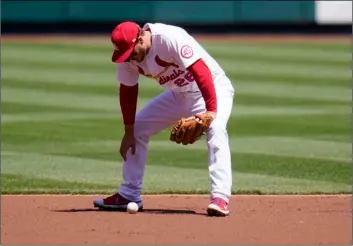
[197, 100]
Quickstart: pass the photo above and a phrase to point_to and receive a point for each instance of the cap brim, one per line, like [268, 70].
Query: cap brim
[118, 57]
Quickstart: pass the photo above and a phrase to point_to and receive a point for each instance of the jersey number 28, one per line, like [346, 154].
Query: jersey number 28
[180, 82]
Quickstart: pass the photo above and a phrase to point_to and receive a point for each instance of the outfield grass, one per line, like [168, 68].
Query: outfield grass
[289, 129]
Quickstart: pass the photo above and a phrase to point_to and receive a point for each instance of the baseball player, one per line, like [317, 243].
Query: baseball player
[197, 93]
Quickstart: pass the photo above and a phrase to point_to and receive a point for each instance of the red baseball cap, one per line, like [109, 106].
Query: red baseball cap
[123, 38]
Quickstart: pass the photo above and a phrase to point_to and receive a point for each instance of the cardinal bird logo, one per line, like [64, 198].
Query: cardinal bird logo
[162, 63]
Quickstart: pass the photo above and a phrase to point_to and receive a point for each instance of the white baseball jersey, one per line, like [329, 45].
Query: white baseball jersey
[172, 51]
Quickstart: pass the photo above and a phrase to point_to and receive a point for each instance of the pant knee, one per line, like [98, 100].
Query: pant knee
[140, 132]
[217, 129]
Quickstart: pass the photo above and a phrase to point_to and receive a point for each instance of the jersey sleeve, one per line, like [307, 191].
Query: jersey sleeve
[127, 74]
[182, 47]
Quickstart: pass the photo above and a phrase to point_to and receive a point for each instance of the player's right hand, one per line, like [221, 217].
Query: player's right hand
[127, 142]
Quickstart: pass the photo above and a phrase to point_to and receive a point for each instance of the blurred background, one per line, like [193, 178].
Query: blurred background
[289, 61]
[200, 16]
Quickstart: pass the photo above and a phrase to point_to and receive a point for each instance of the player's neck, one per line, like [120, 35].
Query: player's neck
[149, 38]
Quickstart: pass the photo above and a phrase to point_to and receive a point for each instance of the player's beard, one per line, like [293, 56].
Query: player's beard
[142, 55]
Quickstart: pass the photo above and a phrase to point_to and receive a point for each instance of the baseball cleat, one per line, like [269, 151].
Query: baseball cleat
[218, 207]
[115, 202]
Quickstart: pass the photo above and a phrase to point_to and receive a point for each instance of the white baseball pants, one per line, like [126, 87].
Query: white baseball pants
[162, 112]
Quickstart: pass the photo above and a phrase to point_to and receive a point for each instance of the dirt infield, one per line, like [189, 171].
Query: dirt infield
[178, 220]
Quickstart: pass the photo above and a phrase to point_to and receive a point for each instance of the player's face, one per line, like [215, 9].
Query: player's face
[139, 52]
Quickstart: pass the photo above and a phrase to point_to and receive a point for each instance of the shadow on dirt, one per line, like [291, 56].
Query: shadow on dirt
[148, 211]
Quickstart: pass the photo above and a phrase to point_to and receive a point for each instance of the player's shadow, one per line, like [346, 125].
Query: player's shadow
[171, 211]
[148, 210]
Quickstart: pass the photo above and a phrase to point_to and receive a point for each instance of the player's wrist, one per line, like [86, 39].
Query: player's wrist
[213, 114]
[129, 129]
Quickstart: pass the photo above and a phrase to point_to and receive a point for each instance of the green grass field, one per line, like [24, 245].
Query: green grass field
[289, 129]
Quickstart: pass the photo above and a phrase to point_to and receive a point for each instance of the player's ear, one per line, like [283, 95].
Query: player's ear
[140, 40]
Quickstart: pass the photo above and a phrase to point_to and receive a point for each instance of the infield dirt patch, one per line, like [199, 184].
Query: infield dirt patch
[177, 220]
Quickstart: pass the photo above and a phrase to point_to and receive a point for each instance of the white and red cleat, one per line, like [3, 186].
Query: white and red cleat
[218, 207]
[115, 202]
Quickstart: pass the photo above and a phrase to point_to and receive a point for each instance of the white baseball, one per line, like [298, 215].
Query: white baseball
[132, 207]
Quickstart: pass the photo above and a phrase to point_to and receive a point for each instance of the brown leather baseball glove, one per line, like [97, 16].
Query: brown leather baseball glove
[189, 130]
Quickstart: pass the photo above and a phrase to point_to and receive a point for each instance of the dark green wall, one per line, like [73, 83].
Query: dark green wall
[159, 11]
[281, 11]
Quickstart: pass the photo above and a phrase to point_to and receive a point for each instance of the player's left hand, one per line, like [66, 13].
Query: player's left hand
[188, 130]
